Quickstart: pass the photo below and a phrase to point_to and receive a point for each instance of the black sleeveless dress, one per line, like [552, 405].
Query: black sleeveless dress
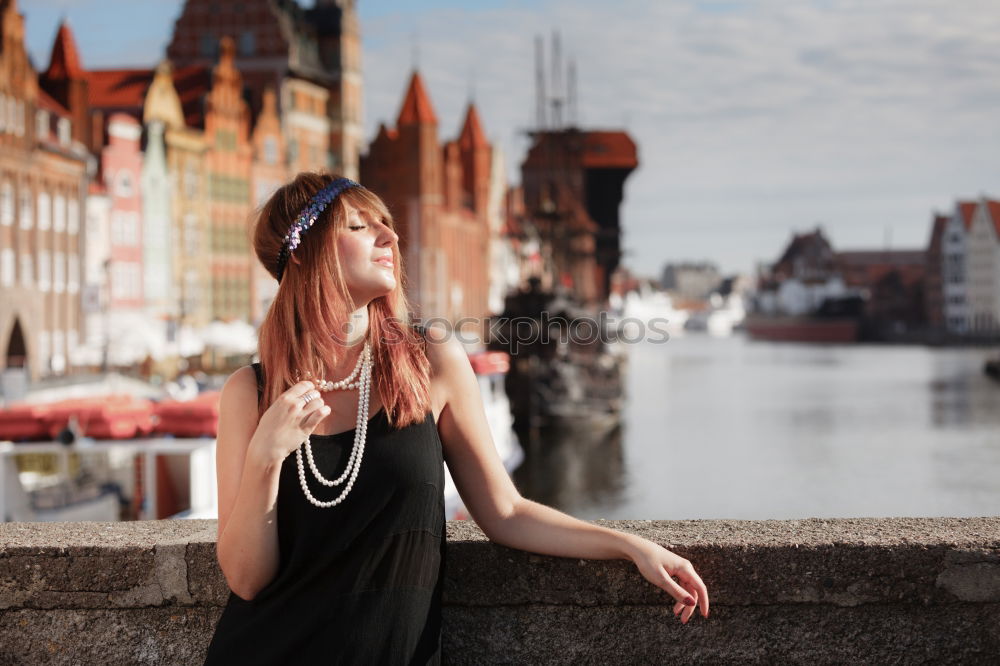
[360, 582]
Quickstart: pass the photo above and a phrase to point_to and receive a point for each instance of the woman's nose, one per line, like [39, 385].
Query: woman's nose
[388, 236]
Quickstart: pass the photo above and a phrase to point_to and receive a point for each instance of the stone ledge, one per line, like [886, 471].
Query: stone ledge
[818, 590]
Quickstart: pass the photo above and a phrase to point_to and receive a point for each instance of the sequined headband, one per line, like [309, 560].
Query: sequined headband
[308, 217]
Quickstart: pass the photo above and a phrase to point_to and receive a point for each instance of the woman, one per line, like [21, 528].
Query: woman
[335, 553]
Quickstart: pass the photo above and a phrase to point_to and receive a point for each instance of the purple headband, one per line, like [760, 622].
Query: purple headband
[308, 217]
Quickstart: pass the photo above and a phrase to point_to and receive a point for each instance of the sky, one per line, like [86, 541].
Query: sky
[754, 119]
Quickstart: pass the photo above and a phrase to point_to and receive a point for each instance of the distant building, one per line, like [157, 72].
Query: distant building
[806, 274]
[440, 198]
[43, 182]
[690, 281]
[312, 57]
[983, 268]
[894, 283]
[954, 267]
[573, 184]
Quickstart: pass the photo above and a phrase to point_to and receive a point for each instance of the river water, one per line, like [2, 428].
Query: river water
[733, 428]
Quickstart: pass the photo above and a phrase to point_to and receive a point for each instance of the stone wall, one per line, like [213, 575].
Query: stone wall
[903, 590]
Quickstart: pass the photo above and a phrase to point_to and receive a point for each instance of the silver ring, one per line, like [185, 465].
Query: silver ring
[307, 398]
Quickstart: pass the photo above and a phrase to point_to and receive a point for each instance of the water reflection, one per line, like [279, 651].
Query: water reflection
[729, 428]
[572, 469]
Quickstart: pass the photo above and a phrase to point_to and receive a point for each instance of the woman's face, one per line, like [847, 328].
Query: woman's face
[366, 247]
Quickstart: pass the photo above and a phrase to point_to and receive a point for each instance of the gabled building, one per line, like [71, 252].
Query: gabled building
[954, 276]
[227, 165]
[440, 197]
[43, 181]
[983, 268]
[278, 41]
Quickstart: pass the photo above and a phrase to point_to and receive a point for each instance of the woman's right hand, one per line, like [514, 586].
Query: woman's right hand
[287, 423]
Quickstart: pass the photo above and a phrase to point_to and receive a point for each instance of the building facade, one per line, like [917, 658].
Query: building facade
[983, 268]
[43, 180]
[439, 196]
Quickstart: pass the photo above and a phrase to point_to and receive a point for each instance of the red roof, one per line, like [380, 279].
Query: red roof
[609, 150]
[472, 135]
[65, 60]
[993, 209]
[118, 88]
[416, 109]
[126, 89]
[966, 209]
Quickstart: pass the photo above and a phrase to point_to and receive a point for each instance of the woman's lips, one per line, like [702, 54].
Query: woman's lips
[384, 262]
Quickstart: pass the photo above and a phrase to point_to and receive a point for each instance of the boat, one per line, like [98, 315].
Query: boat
[837, 320]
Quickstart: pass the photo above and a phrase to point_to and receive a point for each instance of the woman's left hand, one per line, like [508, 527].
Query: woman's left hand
[658, 565]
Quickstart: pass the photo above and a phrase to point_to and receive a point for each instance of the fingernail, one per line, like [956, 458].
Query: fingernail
[688, 601]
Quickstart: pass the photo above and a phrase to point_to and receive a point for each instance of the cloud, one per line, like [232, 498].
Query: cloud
[751, 118]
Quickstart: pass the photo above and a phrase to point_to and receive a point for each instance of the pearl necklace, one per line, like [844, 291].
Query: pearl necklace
[364, 366]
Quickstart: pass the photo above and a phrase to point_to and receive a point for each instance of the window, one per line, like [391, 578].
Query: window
[246, 43]
[123, 184]
[209, 45]
[44, 270]
[73, 216]
[27, 214]
[73, 273]
[44, 211]
[3, 112]
[270, 150]
[190, 182]
[65, 131]
[19, 128]
[6, 203]
[42, 124]
[44, 348]
[59, 273]
[7, 267]
[293, 151]
[191, 235]
[27, 270]
[59, 213]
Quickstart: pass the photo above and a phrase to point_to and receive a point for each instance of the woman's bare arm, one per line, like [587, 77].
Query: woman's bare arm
[247, 545]
[511, 520]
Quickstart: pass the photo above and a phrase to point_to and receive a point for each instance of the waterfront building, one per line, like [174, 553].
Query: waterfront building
[440, 200]
[954, 268]
[277, 42]
[573, 187]
[43, 182]
[689, 281]
[983, 268]
[806, 274]
[894, 283]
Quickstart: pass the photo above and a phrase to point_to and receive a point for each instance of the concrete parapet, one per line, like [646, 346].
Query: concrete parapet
[899, 590]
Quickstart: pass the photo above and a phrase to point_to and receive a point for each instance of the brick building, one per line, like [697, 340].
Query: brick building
[573, 187]
[43, 182]
[278, 41]
[440, 198]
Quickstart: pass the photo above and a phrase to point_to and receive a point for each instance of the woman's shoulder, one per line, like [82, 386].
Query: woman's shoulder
[242, 385]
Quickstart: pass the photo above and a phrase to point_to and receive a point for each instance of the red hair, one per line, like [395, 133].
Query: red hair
[303, 329]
